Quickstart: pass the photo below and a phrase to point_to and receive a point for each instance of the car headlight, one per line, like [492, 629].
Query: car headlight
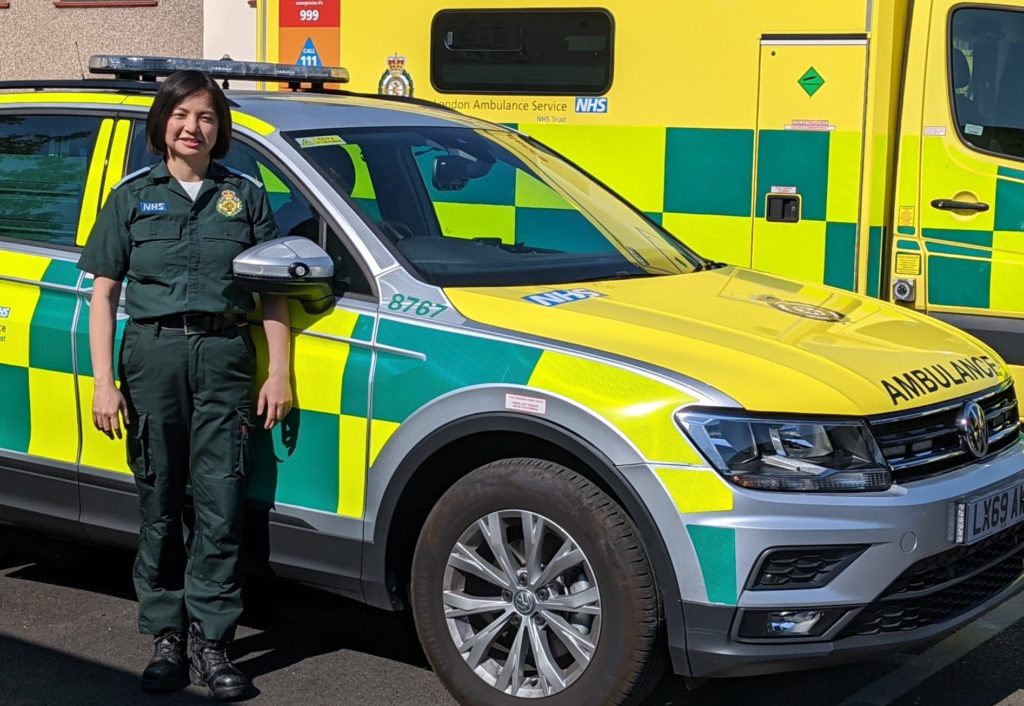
[793, 454]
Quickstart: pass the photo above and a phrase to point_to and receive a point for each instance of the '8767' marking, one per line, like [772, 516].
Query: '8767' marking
[415, 305]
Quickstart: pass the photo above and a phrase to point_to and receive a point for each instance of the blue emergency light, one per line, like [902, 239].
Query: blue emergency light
[148, 68]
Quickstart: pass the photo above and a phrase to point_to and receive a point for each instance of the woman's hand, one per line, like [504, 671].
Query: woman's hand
[276, 394]
[275, 399]
[108, 407]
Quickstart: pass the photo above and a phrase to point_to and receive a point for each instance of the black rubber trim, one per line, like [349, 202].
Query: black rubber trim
[41, 496]
[374, 570]
[853, 552]
[812, 37]
[714, 652]
[1005, 335]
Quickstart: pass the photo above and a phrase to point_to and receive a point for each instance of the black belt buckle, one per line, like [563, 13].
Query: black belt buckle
[201, 324]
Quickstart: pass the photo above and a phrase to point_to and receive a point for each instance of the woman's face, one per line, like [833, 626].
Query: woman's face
[192, 127]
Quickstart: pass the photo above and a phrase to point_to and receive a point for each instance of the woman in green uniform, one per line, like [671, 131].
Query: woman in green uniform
[186, 368]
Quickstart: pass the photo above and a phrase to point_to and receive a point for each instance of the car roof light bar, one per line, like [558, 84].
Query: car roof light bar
[150, 67]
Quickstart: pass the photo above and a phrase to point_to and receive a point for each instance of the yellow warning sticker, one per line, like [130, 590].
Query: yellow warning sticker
[908, 263]
[906, 215]
[320, 141]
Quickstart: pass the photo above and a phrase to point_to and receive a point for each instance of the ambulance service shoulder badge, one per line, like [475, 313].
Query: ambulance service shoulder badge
[229, 204]
[396, 81]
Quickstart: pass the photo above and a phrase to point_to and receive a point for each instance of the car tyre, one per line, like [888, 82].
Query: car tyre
[583, 623]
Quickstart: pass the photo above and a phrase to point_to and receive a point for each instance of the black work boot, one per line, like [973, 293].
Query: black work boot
[168, 669]
[209, 666]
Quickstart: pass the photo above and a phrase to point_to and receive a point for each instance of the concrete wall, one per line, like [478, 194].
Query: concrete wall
[38, 40]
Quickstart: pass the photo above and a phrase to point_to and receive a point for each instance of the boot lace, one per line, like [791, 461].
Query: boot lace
[170, 645]
[214, 655]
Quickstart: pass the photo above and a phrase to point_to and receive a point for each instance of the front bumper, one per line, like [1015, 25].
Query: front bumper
[902, 529]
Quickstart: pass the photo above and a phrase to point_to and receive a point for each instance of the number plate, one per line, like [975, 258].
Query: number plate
[982, 517]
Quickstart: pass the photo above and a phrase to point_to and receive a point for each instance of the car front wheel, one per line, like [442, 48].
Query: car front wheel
[530, 582]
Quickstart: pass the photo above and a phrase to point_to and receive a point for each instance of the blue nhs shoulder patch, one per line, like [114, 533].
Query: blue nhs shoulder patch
[153, 206]
[561, 296]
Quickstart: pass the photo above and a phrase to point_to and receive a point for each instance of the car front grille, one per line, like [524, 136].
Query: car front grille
[944, 586]
[926, 443]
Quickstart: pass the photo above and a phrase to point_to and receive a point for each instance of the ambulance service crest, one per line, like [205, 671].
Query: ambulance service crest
[396, 81]
[229, 204]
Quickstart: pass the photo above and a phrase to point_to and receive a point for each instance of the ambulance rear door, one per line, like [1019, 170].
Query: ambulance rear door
[810, 125]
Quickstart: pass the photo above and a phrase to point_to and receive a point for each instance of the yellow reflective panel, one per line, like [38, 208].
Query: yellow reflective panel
[696, 490]
[94, 182]
[351, 465]
[380, 432]
[41, 99]
[98, 451]
[720, 238]
[639, 407]
[118, 151]
[53, 413]
[255, 124]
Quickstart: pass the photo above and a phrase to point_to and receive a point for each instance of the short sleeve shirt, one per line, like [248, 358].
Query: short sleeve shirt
[175, 252]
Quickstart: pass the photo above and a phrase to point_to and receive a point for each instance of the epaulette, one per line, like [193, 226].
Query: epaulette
[134, 175]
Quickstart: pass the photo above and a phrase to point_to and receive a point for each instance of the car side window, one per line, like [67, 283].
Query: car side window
[44, 163]
[295, 216]
[292, 211]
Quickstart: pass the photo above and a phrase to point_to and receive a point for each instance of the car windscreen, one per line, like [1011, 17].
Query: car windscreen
[489, 207]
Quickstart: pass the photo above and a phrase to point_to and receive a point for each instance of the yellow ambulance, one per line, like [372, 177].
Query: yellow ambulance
[871, 146]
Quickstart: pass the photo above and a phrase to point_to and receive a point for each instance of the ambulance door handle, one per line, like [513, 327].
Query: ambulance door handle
[951, 205]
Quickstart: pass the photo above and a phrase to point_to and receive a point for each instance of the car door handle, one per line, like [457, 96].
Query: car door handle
[951, 205]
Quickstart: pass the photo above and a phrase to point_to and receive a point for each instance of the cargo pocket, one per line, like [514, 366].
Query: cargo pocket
[243, 444]
[138, 448]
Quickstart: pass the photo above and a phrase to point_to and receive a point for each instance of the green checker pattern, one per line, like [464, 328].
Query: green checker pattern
[297, 462]
[49, 349]
[708, 172]
[454, 361]
[716, 552]
[960, 260]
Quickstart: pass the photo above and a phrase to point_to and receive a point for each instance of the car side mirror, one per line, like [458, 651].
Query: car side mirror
[292, 266]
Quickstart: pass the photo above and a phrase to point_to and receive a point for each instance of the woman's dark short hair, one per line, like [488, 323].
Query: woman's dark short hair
[176, 88]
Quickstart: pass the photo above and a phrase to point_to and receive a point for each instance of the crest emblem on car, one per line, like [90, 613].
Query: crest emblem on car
[808, 311]
[229, 204]
[973, 428]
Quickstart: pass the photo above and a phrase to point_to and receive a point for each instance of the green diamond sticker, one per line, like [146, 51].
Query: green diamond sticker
[811, 81]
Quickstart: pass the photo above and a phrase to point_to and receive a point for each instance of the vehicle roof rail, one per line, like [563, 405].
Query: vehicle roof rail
[84, 84]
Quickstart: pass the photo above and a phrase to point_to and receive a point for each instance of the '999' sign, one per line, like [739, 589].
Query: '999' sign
[310, 13]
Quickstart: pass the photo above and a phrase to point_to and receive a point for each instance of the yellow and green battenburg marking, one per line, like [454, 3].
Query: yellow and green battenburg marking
[961, 270]
[697, 182]
[36, 363]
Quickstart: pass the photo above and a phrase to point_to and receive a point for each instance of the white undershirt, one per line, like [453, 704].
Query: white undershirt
[191, 188]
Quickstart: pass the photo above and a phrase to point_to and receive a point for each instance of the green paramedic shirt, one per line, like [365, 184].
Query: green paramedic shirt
[175, 252]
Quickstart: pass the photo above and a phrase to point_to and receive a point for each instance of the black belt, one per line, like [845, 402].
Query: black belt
[195, 324]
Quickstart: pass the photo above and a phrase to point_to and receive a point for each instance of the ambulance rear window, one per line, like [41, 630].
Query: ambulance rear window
[530, 52]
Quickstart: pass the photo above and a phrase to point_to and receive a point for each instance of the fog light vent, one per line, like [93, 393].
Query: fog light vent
[792, 623]
[802, 567]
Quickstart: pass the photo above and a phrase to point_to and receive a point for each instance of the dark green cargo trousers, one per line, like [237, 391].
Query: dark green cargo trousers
[190, 420]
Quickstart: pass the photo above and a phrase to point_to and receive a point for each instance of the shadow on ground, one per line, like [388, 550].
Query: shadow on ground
[285, 624]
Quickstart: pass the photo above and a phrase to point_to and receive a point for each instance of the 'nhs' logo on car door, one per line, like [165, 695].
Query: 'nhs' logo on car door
[591, 104]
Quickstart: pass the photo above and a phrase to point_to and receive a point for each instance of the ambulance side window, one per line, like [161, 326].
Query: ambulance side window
[526, 52]
[986, 62]
[44, 162]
